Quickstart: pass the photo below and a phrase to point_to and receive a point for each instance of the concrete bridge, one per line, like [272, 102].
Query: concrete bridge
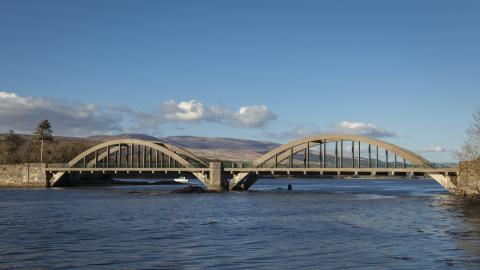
[321, 155]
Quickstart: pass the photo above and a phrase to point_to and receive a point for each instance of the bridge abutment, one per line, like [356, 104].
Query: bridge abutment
[23, 175]
[468, 182]
[445, 181]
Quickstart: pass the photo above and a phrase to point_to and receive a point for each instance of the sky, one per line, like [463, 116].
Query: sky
[407, 72]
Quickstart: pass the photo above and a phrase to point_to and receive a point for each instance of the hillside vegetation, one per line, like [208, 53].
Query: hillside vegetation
[20, 148]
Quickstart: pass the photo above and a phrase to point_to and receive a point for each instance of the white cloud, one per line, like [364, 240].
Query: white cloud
[193, 111]
[434, 149]
[253, 116]
[304, 130]
[23, 113]
[5, 95]
[365, 129]
[183, 111]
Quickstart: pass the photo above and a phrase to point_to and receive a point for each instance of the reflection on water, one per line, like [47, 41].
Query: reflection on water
[467, 233]
[406, 224]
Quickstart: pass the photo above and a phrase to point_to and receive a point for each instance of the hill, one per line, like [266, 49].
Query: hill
[206, 147]
[63, 149]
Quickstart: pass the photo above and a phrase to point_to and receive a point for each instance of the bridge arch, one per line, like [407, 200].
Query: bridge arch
[133, 153]
[287, 151]
[273, 159]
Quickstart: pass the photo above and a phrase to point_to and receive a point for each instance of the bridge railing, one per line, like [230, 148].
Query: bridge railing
[332, 164]
[238, 164]
[349, 164]
[248, 164]
[440, 165]
[121, 165]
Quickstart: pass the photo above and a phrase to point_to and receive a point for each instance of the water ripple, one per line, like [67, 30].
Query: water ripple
[352, 224]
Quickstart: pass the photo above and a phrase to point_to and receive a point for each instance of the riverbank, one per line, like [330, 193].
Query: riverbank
[468, 181]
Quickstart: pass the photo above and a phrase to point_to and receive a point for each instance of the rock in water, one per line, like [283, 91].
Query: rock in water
[190, 189]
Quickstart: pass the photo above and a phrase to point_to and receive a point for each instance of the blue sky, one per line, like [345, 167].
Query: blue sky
[405, 71]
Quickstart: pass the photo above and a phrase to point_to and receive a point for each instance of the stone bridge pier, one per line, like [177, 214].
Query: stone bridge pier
[216, 180]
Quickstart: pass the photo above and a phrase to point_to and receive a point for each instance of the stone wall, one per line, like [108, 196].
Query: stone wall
[468, 182]
[23, 175]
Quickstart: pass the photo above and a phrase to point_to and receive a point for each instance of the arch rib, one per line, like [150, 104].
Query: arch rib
[301, 144]
[115, 143]
[169, 150]
[182, 151]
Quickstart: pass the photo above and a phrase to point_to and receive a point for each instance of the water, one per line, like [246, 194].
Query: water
[400, 224]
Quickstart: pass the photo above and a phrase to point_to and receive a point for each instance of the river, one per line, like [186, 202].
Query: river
[335, 224]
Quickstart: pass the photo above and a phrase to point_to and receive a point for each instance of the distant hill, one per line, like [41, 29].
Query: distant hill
[122, 136]
[222, 148]
[219, 143]
[207, 147]
[63, 149]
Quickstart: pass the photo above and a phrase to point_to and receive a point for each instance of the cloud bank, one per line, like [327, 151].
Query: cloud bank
[75, 118]
[344, 127]
[23, 114]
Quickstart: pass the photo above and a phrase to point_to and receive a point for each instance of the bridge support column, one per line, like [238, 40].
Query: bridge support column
[217, 180]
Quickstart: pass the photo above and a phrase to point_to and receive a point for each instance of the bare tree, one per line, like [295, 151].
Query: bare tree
[471, 148]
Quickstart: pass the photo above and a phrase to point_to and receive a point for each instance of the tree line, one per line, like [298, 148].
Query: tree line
[41, 146]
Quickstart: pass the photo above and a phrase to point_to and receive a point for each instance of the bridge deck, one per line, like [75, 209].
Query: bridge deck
[340, 171]
[343, 170]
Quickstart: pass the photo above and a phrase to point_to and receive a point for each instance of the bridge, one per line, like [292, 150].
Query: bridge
[337, 155]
